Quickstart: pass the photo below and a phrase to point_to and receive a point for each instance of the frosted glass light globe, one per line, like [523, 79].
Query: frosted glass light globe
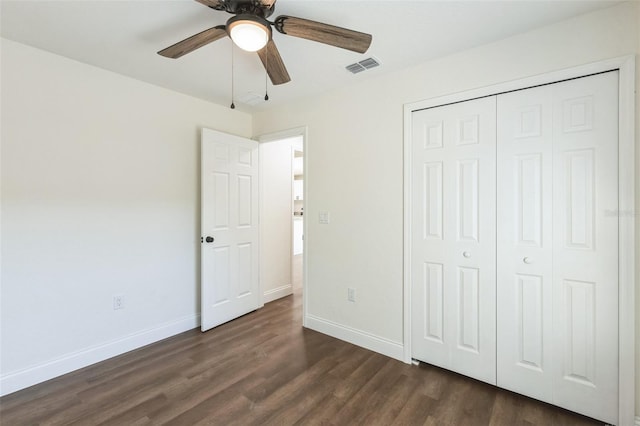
[248, 35]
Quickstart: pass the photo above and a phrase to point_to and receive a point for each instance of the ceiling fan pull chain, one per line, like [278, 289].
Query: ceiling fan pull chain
[233, 105]
[266, 93]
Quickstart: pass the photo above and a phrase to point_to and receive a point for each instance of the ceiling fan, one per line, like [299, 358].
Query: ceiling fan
[251, 31]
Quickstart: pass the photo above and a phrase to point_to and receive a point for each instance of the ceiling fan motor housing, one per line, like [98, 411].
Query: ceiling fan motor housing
[252, 7]
[247, 17]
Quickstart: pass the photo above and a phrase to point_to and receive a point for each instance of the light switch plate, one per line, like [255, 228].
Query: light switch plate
[323, 218]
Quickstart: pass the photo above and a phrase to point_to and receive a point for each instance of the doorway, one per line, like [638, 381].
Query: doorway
[298, 215]
[282, 210]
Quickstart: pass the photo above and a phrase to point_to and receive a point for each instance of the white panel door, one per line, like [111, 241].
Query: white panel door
[230, 229]
[525, 233]
[585, 245]
[557, 244]
[453, 237]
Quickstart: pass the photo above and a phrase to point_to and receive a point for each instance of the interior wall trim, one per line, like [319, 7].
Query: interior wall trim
[626, 194]
[277, 293]
[17, 380]
[357, 337]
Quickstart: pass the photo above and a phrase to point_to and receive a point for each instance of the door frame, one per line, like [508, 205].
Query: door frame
[626, 205]
[286, 134]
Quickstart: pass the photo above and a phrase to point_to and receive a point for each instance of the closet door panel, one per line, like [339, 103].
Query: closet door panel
[453, 237]
[524, 263]
[585, 270]
[471, 226]
[428, 267]
[557, 288]
[428, 240]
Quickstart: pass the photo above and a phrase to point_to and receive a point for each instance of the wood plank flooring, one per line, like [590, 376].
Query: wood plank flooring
[265, 369]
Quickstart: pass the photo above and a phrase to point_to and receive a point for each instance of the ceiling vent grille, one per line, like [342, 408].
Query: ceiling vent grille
[250, 98]
[363, 65]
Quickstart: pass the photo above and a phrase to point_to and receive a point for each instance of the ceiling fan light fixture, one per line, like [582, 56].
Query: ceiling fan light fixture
[249, 32]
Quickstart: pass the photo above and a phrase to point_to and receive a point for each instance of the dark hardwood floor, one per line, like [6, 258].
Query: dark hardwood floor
[265, 369]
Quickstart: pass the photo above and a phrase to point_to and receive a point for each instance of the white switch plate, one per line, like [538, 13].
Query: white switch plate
[351, 294]
[323, 218]
[118, 301]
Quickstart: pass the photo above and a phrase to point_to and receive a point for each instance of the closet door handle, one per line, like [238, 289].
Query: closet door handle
[527, 260]
[466, 254]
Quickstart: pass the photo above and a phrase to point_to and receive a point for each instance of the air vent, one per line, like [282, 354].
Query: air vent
[250, 98]
[369, 63]
[355, 68]
[363, 65]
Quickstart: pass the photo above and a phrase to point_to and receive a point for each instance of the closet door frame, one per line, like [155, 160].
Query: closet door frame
[626, 187]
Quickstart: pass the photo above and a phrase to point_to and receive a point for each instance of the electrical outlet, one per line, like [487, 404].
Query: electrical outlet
[351, 294]
[118, 301]
[323, 218]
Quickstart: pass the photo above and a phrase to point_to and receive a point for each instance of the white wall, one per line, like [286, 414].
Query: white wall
[276, 215]
[355, 164]
[100, 196]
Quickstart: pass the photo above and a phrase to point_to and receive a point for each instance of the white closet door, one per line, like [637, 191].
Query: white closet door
[585, 245]
[453, 237]
[525, 232]
[557, 244]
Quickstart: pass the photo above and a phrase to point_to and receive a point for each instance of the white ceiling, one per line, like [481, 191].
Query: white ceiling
[124, 35]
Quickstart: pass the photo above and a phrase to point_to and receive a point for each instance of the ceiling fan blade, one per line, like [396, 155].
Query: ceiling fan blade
[211, 3]
[194, 42]
[323, 33]
[273, 63]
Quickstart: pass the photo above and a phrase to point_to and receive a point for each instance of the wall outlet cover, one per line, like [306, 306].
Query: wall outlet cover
[118, 301]
[323, 218]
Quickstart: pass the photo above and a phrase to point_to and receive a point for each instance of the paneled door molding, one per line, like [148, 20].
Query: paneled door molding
[626, 205]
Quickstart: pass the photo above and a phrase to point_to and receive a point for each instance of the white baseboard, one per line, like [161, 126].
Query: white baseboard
[277, 293]
[357, 337]
[14, 381]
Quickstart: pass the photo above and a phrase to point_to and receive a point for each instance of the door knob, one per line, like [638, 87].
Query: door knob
[209, 239]
[466, 254]
[527, 260]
